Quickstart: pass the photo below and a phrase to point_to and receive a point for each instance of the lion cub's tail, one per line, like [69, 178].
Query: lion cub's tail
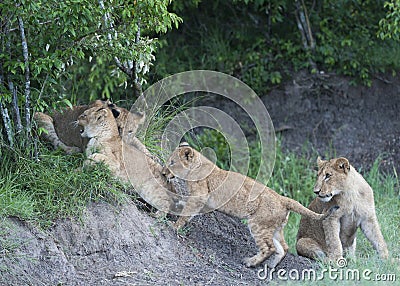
[295, 206]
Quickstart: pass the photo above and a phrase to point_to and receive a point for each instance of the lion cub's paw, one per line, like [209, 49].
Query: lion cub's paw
[179, 224]
[72, 150]
[250, 261]
[320, 255]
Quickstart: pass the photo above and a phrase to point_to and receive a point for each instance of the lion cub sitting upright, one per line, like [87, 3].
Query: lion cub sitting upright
[212, 188]
[338, 183]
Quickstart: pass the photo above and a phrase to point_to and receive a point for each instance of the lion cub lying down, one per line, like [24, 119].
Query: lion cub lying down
[229, 192]
[338, 183]
[64, 133]
[124, 160]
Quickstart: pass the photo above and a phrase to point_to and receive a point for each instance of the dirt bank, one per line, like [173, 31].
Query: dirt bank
[120, 245]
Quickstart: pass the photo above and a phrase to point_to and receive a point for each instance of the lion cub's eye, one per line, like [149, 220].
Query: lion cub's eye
[327, 176]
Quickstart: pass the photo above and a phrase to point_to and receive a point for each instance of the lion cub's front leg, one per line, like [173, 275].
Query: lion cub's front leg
[371, 230]
[331, 227]
[98, 158]
[195, 203]
[193, 207]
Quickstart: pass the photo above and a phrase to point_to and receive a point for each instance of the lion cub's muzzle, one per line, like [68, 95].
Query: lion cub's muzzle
[323, 197]
[167, 173]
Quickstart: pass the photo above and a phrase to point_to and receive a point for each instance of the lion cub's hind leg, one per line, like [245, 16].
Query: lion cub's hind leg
[268, 241]
[280, 246]
[310, 248]
[95, 158]
[283, 242]
[350, 250]
[46, 122]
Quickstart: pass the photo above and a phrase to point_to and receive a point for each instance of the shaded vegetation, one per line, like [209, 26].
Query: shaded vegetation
[262, 42]
[54, 54]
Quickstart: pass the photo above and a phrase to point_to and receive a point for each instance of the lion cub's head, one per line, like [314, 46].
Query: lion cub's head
[128, 122]
[332, 177]
[188, 164]
[98, 122]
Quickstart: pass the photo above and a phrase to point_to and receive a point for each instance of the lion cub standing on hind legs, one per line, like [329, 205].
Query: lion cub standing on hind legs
[237, 195]
[338, 183]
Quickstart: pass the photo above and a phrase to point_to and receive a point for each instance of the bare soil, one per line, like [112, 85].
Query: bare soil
[328, 114]
[122, 245]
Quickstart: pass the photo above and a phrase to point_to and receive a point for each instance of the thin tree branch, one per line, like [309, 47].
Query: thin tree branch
[27, 78]
[137, 89]
[43, 85]
[304, 26]
[17, 118]
[107, 22]
[7, 124]
[123, 68]
[40, 23]
[302, 32]
[3, 109]
[110, 27]
[309, 32]
[130, 72]
[5, 115]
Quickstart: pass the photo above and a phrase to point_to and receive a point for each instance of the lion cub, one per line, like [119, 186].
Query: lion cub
[64, 133]
[125, 161]
[212, 188]
[338, 183]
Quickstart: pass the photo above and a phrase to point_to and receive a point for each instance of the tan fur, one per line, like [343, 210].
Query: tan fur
[232, 193]
[340, 184]
[124, 160]
[64, 133]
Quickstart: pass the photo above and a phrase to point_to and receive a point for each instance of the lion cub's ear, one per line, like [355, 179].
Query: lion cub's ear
[320, 162]
[115, 112]
[342, 165]
[138, 117]
[101, 113]
[186, 154]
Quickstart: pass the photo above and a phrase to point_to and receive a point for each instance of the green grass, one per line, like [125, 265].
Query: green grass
[151, 133]
[54, 187]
